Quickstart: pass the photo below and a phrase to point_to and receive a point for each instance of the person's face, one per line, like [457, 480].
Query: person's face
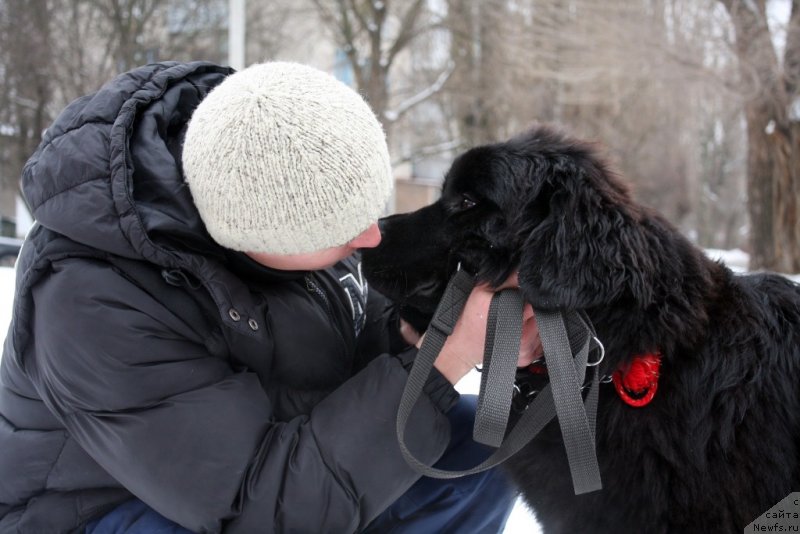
[312, 261]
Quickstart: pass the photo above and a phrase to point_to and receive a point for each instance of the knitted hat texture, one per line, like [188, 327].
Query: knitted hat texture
[282, 158]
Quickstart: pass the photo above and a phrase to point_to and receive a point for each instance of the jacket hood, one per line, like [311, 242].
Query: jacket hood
[107, 173]
[107, 176]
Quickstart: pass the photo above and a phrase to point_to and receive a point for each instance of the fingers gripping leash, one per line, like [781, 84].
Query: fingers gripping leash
[566, 339]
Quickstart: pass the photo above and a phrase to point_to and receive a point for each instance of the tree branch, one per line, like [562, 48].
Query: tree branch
[435, 87]
[407, 33]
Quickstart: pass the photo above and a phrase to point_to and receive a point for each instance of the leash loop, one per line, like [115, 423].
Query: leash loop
[566, 339]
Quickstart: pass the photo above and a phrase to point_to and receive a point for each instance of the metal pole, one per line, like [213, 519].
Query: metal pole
[236, 34]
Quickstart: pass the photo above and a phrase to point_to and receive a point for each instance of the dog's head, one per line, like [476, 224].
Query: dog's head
[541, 203]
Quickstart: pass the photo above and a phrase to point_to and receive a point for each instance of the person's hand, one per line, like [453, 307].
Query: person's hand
[530, 347]
[463, 350]
[409, 333]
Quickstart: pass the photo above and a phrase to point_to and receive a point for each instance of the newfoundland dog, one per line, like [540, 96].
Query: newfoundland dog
[699, 429]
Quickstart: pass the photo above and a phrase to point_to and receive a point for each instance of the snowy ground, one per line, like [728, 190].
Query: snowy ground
[521, 520]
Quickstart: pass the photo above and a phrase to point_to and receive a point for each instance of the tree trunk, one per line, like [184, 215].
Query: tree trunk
[472, 25]
[772, 139]
[28, 72]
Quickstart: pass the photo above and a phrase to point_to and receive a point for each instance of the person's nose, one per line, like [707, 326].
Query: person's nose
[369, 238]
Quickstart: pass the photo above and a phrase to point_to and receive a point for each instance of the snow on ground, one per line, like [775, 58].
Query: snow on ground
[521, 520]
[738, 260]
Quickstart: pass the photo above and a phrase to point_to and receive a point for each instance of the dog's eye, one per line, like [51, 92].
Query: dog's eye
[467, 202]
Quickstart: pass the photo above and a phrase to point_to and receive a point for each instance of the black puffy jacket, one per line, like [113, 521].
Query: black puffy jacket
[142, 359]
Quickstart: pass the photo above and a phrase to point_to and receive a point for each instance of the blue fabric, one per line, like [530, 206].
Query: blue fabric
[134, 517]
[476, 503]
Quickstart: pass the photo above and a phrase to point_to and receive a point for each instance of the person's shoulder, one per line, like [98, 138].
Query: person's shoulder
[81, 281]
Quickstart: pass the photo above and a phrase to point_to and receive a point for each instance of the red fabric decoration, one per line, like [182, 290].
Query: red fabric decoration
[636, 385]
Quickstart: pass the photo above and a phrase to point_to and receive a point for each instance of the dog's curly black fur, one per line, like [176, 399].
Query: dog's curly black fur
[720, 442]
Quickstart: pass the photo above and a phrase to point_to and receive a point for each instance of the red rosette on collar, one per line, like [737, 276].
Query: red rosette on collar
[636, 383]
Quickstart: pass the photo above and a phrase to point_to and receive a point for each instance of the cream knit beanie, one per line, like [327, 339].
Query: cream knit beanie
[282, 158]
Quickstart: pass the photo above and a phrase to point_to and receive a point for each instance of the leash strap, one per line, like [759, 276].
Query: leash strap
[574, 336]
[503, 335]
[442, 324]
[566, 378]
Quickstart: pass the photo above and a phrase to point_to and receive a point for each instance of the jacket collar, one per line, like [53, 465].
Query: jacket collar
[246, 267]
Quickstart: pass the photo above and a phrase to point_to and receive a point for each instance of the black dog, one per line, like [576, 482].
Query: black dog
[716, 439]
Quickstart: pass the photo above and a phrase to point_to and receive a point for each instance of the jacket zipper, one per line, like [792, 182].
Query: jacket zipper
[313, 287]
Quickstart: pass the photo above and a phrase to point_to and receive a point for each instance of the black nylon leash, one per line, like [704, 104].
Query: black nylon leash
[562, 336]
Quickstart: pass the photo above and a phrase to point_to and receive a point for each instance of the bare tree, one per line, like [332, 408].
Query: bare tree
[53, 52]
[657, 81]
[97, 39]
[127, 21]
[770, 85]
[373, 34]
[25, 44]
[480, 94]
[643, 77]
[269, 28]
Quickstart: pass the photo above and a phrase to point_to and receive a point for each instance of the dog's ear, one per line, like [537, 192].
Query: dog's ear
[589, 246]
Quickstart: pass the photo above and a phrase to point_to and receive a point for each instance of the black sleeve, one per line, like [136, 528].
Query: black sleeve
[196, 440]
[382, 335]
